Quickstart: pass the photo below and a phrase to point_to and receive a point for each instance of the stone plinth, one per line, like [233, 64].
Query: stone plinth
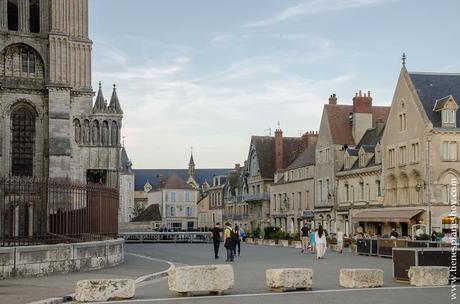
[428, 275]
[289, 278]
[104, 290]
[361, 278]
[206, 278]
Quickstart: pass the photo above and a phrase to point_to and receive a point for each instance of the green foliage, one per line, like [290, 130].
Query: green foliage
[270, 231]
[424, 237]
[296, 237]
[256, 233]
[138, 209]
[439, 235]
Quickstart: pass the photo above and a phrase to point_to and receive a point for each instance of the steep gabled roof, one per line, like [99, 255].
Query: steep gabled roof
[151, 213]
[431, 87]
[265, 150]
[338, 117]
[306, 158]
[114, 106]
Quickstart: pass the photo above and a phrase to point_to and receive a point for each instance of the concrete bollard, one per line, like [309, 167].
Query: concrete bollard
[214, 279]
[429, 275]
[361, 278]
[280, 280]
[104, 290]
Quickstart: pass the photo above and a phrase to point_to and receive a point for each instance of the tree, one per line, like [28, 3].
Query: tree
[138, 209]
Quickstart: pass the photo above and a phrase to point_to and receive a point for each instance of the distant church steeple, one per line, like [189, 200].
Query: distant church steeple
[191, 165]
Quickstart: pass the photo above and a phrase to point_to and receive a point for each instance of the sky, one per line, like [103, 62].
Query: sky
[209, 74]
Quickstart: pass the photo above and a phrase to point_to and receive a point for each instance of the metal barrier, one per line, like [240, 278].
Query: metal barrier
[166, 237]
[48, 211]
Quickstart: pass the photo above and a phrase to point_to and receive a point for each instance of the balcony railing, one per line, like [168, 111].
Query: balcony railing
[262, 196]
[235, 216]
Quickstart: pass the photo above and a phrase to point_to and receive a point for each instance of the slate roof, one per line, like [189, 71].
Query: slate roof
[368, 142]
[306, 158]
[126, 165]
[151, 213]
[265, 150]
[141, 176]
[339, 126]
[440, 103]
[431, 87]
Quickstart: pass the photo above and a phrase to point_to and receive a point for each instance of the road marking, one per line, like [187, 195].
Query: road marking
[141, 281]
[266, 294]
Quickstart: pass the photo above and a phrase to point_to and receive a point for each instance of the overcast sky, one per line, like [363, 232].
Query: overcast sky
[210, 74]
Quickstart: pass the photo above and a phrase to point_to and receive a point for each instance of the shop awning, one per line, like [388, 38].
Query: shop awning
[403, 215]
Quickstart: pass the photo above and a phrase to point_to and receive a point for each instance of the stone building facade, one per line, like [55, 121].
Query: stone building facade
[359, 183]
[342, 126]
[293, 191]
[421, 150]
[48, 124]
[125, 212]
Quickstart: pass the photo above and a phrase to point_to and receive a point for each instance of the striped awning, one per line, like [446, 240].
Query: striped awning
[402, 215]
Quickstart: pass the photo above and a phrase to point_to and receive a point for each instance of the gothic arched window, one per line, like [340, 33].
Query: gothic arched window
[105, 133]
[23, 129]
[114, 133]
[77, 130]
[13, 15]
[96, 133]
[86, 137]
[34, 14]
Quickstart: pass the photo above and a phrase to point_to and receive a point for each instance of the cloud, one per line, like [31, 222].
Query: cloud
[312, 7]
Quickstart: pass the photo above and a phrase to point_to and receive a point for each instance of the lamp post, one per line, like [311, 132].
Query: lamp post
[418, 188]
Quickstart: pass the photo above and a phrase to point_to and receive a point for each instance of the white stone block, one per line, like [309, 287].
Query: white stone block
[104, 290]
[428, 275]
[206, 278]
[361, 278]
[289, 278]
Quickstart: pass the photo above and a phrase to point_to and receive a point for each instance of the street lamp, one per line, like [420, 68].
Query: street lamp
[418, 188]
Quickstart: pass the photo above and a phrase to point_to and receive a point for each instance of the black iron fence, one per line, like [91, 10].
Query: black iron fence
[50, 211]
[384, 247]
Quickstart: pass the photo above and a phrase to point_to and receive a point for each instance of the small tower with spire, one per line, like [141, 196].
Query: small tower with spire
[191, 165]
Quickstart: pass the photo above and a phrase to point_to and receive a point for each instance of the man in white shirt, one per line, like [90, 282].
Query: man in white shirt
[340, 240]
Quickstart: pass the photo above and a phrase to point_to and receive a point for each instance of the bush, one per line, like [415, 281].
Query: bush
[439, 235]
[296, 236]
[270, 230]
[424, 237]
[256, 233]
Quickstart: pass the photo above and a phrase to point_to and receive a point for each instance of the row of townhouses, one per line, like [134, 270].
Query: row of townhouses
[368, 168]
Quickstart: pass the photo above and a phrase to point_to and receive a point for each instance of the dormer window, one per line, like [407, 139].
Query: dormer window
[448, 116]
[448, 108]
[378, 155]
[362, 159]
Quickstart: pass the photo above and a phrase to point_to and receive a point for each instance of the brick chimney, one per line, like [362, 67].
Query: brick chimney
[362, 103]
[309, 138]
[278, 149]
[361, 118]
[333, 99]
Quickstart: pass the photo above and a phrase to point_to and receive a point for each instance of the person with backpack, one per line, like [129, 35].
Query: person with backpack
[216, 239]
[229, 237]
[304, 238]
[237, 240]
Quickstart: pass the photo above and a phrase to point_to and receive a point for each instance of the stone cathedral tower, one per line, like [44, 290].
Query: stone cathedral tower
[48, 124]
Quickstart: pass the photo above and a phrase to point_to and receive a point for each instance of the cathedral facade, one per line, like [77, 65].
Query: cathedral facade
[49, 127]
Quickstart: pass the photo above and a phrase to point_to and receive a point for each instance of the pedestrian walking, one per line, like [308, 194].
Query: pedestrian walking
[304, 238]
[339, 240]
[238, 240]
[216, 239]
[312, 240]
[321, 242]
[229, 236]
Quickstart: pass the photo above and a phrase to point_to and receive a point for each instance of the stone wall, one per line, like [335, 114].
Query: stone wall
[16, 262]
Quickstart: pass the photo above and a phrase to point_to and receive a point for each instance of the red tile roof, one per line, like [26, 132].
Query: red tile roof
[341, 130]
